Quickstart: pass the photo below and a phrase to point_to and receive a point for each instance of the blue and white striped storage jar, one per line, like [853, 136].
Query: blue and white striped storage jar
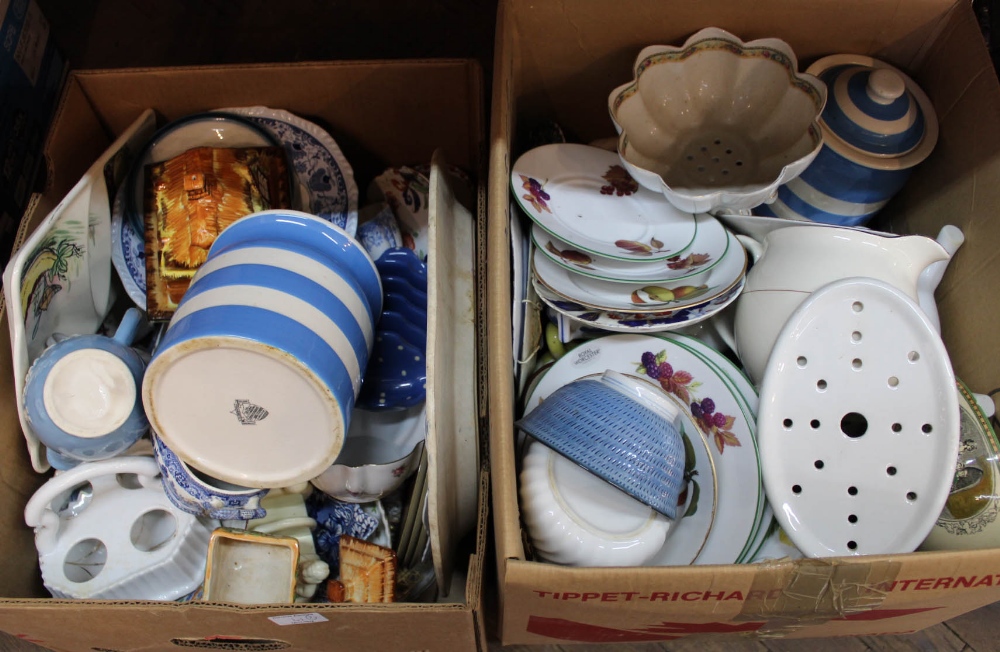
[256, 376]
[877, 125]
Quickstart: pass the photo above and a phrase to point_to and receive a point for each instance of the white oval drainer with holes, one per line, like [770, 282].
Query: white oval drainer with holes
[858, 424]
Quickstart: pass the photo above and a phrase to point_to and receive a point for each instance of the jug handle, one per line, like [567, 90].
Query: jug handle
[950, 238]
[38, 513]
[754, 249]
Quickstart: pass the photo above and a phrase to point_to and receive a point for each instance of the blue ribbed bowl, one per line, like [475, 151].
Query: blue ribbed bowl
[623, 434]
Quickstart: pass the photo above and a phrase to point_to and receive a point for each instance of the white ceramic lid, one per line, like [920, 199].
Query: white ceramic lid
[243, 412]
[858, 424]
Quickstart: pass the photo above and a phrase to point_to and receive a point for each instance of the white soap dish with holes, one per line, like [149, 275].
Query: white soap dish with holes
[858, 424]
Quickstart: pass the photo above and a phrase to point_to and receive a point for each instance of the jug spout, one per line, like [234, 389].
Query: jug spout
[950, 238]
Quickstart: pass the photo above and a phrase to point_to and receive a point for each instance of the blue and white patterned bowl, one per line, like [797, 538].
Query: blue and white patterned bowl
[197, 494]
[877, 126]
[621, 429]
[256, 376]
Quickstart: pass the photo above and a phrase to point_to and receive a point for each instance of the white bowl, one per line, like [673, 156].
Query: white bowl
[382, 449]
[718, 123]
[576, 518]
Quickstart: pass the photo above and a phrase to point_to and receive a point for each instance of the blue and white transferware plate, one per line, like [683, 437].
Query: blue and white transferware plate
[326, 186]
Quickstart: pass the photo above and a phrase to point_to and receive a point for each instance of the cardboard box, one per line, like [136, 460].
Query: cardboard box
[559, 61]
[381, 113]
[32, 70]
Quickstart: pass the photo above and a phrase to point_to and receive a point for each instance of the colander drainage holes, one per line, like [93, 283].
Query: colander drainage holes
[857, 306]
[856, 336]
[911, 496]
[852, 491]
[893, 382]
[853, 545]
[897, 427]
[801, 361]
[927, 428]
[796, 489]
[787, 423]
[913, 356]
[891, 470]
[821, 385]
[853, 518]
[856, 363]
[814, 424]
[818, 464]
[854, 425]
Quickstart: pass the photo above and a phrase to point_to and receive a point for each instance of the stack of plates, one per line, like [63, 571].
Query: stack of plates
[617, 256]
[727, 517]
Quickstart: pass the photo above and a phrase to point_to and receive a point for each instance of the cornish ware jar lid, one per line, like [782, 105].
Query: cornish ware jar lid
[875, 114]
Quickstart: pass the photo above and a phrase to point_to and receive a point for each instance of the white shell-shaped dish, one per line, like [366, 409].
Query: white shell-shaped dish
[576, 518]
[718, 122]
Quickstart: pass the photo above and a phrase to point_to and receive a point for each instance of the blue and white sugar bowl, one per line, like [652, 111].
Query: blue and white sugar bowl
[877, 126]
[82, 395]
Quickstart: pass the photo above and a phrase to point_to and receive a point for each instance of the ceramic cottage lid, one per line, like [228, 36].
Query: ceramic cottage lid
[875, 114]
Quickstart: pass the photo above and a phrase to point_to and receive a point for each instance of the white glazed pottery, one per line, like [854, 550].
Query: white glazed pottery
[596, 320]
[576, 518]
[452, 436]
[106, 530]
[793, 262]
[718, 122]
[643, 296]
[381, 451]
[571, 190]
[859, 422]
[710, 246]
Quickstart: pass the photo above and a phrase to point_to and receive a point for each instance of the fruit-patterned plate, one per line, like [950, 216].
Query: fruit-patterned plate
[710, 246]
[643, 296]
[583, 196]
[635, 322]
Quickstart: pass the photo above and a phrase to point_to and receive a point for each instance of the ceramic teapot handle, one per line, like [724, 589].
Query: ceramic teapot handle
[38, 513]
